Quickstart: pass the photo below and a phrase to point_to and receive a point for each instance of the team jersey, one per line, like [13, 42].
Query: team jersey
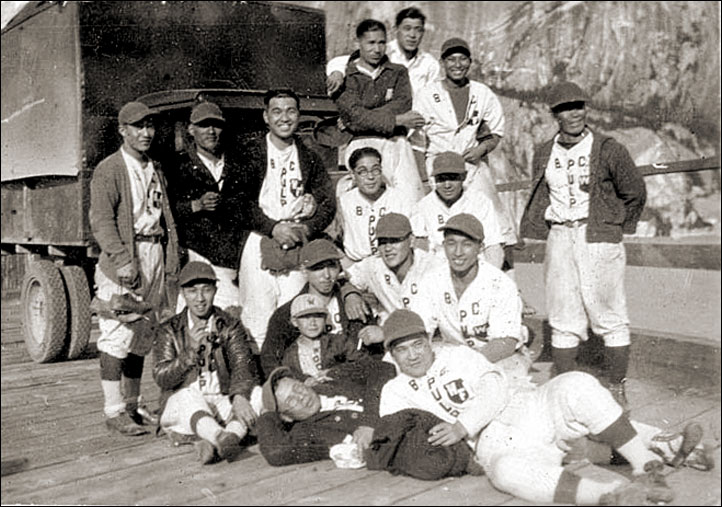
[282, 188]
[146, 196]
[458, 386]
[567, 174]
[431, 212]
[489, 308]
[359, 217]
[334, 317]
[372, 275]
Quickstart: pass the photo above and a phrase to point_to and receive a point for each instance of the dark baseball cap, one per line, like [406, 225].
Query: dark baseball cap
[449, 163]
[393, 226]
[402, 324]
[205, 111]
[455, 45]
[268, 393]
[196, 270]
[133, 112]
[317, 251]
[466, 224]
[565, 92]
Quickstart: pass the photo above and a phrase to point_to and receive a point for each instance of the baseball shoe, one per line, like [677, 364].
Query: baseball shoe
[206, 452]
[683, 448]
[229, 445]
[143, 416]
[473, 467]
[124, 425]
[650, 487]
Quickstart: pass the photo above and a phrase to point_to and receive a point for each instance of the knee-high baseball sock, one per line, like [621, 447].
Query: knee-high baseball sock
[590, 491]
[617, 362]
[565, 359]
[132, 369]
[110, 373]
[206, 427]
[237, 427]
[622, 436]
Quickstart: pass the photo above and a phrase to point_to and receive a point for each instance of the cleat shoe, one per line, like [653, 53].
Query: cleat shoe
[229, 445]
[647, 488]
[683, 449]
[206, 452]
[124, 425]
[143, 416]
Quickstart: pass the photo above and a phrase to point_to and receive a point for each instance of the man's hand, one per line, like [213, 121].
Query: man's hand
[334, 82]
[287, 234]
[363, 437]
[447, 434]
[128, 275]
[410, 120]
[207, 202]
[243, 410]
[356, 308]
[473, 155]
[199, 334]
[371, 335]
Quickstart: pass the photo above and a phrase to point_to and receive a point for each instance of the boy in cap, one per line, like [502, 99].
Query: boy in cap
[450, 198]
[586, 194]
[205, 189]
[464, 116]
[360, 209]
[519, 430]
[132, 222]
[205, 370]
[315, 350]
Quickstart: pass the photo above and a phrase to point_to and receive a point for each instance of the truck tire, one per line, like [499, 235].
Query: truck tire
[45, 310]
[78, 293]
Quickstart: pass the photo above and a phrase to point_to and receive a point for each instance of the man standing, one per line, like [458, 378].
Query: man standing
[288, 198]
[205, 369]
[586, 193]
[131, 220]
[205, 189]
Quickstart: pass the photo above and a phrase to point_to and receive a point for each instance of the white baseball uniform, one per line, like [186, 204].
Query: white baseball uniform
[372, 275]
[359, 217]
[431, 212]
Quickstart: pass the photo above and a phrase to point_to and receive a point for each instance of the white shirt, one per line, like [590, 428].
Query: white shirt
[489, 308]
[372, 275]
[567, 174]
[431, 212]
[147, 196]
[282, 186]
[359, 217]
[309, 355]
[207, 381]
[215, 168]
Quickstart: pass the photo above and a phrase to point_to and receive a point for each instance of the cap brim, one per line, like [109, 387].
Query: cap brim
[268, 396]
[412, 332]
[311, 311]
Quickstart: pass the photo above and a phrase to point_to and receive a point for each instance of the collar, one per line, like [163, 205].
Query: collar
[352, 68]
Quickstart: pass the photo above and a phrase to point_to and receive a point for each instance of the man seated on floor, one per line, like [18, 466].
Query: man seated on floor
[204, 367]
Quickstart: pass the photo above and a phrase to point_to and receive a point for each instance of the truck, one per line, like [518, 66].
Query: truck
[67, 69]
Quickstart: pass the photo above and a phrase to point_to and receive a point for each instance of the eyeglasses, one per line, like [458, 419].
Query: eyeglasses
[365, 173]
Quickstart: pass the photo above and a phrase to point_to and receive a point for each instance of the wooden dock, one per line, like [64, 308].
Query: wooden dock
[56, 449]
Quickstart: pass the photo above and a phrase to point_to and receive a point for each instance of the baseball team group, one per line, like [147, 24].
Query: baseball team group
[376, 320]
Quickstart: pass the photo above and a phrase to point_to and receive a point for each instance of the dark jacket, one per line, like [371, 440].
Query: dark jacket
[216, 235]
[335, 349]
[232, 359]
[369, 106]
[401, 446]
[616, 193]
[282, 333]
[314, 181]
[283, 443]
[111, 218]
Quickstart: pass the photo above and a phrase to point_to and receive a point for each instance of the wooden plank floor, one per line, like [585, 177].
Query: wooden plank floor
[56, 450]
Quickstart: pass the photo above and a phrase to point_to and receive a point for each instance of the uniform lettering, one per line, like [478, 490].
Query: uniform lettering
[447, 298]
[387, 278]
[406, 302]
[462, 314]
[440, 219]
[414, 289]
[437, 99]
[475, 308]
[359, 211]
[414, 385]
[557, 163]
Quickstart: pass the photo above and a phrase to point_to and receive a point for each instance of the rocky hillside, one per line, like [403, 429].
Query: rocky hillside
[651, 68]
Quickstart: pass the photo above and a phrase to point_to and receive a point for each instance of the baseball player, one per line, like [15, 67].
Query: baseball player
[360, 209]
[464, 116]
[518, 430]
[131, 220]
[449, 199]
[586, 193]
[470, 301]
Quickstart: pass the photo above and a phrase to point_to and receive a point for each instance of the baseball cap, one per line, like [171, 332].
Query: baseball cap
[205, 111]
[317, 251]
[307, 304]
[565, 92]
[456, 44]
[402, 324]
[268, 393]
[449, 163]
[133, 112]
[196, 270]
[466, 224]
[393, 226]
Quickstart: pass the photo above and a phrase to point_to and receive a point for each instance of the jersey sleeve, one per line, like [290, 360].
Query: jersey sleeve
[489, 220]
[425, 305]
[418, 223]
[493, 114]
[505, 313]
[393, 398]
[359, 274]
[337, 64]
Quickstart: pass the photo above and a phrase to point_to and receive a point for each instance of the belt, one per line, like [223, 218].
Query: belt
[571, 223]
[154, 238]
